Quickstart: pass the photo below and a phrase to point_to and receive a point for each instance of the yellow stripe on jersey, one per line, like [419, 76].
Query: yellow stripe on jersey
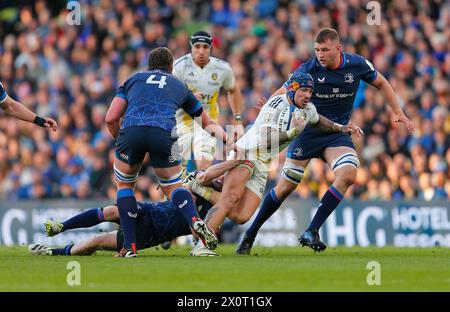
[185, 118]
[212, 107]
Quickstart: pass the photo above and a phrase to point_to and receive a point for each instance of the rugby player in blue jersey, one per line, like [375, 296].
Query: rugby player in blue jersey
[155, 224]
[15, 109]
[142, 120]
[336, 75]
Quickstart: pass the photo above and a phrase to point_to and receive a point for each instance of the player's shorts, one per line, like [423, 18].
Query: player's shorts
[311, 145]
[135, 142]
[197, 142]
[257, 181]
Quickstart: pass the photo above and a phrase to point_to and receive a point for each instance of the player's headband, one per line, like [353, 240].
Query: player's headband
[300, 81]
[294, 86]
[203, 38]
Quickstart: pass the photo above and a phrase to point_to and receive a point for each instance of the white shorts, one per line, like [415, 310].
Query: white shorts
[199, 142]
[257, 181]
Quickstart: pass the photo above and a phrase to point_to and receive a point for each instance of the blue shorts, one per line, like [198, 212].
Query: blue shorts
[311, 145]
[135, 142]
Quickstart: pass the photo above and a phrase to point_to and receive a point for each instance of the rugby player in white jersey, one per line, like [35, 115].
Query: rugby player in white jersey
[205, 76]
[248, 168]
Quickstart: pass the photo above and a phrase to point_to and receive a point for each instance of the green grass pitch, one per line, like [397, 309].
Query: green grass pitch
[268, 269]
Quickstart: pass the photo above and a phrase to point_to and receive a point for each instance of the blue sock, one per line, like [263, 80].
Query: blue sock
[87, 218]
[182, 198]
[329, 202]
[62, 251]
[270, 204]
[126, 202]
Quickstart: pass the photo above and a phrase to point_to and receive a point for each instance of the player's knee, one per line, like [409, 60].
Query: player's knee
[233, 216]
[125, 179]
[345, 168]
[347, 176]
[110, 213]
[238, 218]
[344, 161]
[248, 165]
[172, 180]
[229, 202]
[292, 176]
[93, 244]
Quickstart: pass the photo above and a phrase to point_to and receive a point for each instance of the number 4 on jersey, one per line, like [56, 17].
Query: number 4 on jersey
[161, 83]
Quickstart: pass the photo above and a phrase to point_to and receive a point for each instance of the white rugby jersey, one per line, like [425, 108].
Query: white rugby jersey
[207, 80]
[269, 117]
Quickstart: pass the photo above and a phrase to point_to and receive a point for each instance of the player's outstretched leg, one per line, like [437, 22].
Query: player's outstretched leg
[270, 204]
[88, 218]
[182, 199]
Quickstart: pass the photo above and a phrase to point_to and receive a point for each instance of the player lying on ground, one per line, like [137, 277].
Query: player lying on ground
[245, 180]
[155, 223]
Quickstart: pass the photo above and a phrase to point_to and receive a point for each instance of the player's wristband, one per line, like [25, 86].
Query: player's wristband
[39, 121]
[238, 117]
[292, 133]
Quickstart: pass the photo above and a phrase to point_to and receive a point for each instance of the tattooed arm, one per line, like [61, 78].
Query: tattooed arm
[328, 126]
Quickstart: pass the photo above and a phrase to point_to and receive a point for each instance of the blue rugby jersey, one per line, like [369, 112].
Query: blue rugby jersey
[335, 89]
[154, 97]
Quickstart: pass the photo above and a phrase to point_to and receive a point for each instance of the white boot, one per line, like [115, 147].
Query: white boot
[199, 250]
[39, 249]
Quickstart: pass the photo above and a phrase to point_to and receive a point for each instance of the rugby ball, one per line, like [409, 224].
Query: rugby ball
[285, 116]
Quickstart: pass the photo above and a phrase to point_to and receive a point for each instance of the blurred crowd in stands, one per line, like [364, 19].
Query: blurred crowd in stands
[71, 72]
